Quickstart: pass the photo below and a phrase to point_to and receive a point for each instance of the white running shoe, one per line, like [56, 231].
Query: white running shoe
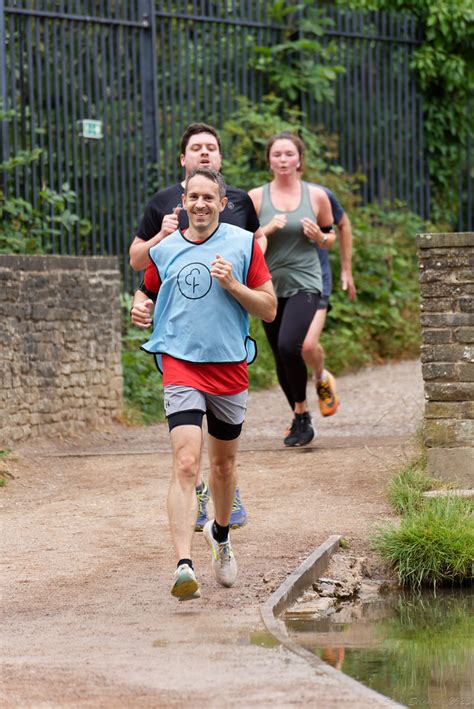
[224, 564]
[185, 586]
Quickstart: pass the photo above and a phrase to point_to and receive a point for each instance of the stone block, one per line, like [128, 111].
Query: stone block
[465, 371]
[437, 336]
[454, 465]
[438, 305]
[452, 391]
[444, 259]
[458, 276]
[448, 432]
[442, 320]
[442, 353]
[464, 334]
[449, 409]
[445, 240]
[433, 370]
[466, 304]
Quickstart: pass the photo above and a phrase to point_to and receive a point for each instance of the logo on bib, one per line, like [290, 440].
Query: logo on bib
[194, 281]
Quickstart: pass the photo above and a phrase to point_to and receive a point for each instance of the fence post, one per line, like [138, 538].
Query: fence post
[149, 86]
[3, 89]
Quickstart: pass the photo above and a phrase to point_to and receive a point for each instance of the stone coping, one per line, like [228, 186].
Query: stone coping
[449, 493]
[286, 595]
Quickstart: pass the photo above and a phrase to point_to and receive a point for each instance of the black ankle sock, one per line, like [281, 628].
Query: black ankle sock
[185, 561]
[219, 533]
[200, 488]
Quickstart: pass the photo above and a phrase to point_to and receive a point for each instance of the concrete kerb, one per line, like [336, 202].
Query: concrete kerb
[286, 595]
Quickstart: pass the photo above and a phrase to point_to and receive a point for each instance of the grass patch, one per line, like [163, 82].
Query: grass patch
[432, 545]
[434, 542]
[405, 490]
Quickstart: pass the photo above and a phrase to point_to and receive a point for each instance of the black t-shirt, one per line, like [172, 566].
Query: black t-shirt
[239, 211]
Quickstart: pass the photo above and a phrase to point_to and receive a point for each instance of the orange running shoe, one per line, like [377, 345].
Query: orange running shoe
[326, 391]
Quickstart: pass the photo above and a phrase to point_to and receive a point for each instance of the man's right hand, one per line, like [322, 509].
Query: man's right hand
[170, 223]
[140, 247]
[141, 312]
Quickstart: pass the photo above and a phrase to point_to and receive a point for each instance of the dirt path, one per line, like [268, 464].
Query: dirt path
[88, 620]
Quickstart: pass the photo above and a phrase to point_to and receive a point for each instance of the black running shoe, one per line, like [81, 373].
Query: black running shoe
[304, 429]
[292, 437]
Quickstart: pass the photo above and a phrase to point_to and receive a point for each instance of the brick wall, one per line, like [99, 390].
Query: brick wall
[447, 353]
[60, 342]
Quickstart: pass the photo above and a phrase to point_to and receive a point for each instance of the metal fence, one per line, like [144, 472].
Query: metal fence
[145, 69]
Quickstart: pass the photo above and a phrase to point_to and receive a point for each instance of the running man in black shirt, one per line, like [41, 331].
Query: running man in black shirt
[200, 147]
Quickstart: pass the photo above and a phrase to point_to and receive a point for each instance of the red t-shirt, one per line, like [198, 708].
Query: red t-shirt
[219, 379]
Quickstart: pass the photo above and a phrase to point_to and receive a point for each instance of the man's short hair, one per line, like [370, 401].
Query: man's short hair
[194, 129]
[212, 175]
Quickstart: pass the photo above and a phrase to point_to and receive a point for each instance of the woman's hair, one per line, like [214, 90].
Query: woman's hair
[295, 139]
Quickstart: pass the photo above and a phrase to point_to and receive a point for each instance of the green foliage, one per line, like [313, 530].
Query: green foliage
[444, 65]
[384, 322]
[26, 227]
[247, 130]
[433, 545]
[292, 65]
[142, 387]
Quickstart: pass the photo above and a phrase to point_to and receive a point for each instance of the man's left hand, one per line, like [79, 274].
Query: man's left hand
[222, 271]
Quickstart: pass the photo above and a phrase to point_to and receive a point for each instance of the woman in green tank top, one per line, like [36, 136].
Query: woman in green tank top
[294, 216]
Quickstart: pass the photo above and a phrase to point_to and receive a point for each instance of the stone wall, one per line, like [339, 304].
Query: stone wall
[447, 353]
[60, 342]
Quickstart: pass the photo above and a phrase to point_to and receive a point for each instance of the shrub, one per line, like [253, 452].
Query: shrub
[31, 227]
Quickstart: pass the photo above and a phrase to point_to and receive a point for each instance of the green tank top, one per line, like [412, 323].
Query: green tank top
[291, 257]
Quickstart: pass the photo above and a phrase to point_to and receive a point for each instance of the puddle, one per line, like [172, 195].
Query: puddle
[264, 639]
[417, 649]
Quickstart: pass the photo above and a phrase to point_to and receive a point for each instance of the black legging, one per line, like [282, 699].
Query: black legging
[286, 335]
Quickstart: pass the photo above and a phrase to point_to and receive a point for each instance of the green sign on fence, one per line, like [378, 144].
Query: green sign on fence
[89, 128]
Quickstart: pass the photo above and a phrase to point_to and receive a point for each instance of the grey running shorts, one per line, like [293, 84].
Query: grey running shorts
[230, 409]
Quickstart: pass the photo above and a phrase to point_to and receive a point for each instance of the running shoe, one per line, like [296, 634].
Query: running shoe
[304, 428]
[185, 587]
[224, 564]
[301, 431]
[291, 438]
[326, 391]
[203, 497]
[238, 517]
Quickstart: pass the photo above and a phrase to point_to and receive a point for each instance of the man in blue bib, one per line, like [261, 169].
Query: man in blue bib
[210, 278]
